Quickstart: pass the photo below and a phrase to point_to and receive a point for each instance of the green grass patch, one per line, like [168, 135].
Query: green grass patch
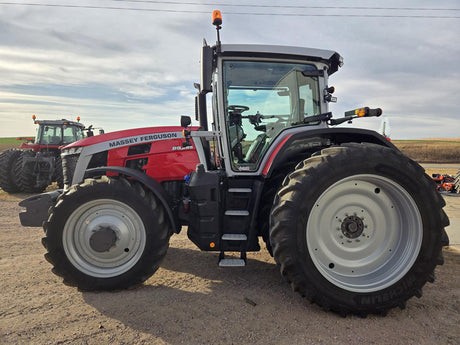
[10, 141]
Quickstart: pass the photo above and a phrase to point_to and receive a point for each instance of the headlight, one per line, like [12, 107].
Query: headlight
[71, 151]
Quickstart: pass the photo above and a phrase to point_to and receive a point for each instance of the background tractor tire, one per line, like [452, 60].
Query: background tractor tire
[358, 229]
[7, 174]
[26, 175]
[106, 233]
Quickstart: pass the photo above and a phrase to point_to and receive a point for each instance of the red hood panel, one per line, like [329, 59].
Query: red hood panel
[128, 133]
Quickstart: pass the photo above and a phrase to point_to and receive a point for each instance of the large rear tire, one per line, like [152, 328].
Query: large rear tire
[7, 176]
[27, 178]
[358, 229]
[105, 234]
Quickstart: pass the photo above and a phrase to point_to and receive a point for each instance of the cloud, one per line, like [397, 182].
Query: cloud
[110, 66]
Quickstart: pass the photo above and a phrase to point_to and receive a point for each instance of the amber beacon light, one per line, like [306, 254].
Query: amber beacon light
[216, 18]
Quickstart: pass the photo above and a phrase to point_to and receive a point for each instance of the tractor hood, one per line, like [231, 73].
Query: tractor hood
[130, 137]
[157, 151]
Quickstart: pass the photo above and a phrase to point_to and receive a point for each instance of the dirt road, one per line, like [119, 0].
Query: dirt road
[192, 301]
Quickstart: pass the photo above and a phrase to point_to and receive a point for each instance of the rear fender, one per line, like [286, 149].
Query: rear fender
[307, 142]
[147, 181]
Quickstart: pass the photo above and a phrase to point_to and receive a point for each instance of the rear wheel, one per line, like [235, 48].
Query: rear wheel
[358, 228]
[27, 176]
[106, 234]
[7, 175]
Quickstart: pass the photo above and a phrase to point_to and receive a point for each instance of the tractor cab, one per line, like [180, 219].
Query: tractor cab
[59, 132]
[260, 97]
[258, 92]
[54, 133]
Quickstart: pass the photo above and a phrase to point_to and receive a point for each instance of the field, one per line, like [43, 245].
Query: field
[431, 151]
[9, 143]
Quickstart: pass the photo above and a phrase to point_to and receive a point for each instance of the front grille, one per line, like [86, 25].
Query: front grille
[69, 162]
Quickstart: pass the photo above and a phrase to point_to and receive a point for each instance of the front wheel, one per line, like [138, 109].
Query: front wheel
[357, 229]
[107, 233]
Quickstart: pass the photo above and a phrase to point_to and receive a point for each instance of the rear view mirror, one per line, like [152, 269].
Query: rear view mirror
[206, 68]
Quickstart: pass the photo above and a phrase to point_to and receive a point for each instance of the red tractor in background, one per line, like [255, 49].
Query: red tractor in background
[354, 225]
[37, 163]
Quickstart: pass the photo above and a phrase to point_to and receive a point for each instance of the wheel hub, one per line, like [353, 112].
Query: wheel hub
[364, 233]
[103, 239]
[352, 226]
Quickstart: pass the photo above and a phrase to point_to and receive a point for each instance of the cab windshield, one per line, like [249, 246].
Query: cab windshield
[58, 134]
[261, 99]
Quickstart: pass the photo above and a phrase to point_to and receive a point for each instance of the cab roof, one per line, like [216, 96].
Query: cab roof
[329, 57]
[59, 123]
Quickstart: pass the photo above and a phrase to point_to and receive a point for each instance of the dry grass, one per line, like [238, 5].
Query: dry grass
[431, 151]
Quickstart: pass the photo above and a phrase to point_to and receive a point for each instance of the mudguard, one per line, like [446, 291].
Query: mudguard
[298, 141]
[146, 180]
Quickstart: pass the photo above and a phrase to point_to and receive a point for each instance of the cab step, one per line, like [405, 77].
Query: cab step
[234, 237]
[232, 263]
[238, 213]
[240, 190]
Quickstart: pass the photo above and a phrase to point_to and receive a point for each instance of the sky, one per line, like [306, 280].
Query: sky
[120, 69]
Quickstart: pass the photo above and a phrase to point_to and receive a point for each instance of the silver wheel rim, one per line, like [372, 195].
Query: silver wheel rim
[127, 230]
[364, 233]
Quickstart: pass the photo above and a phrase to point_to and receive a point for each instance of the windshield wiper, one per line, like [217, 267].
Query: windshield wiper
[316, 118]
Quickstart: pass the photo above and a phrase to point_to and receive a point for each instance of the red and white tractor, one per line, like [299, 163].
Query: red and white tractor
[354, 225]
[37, 163]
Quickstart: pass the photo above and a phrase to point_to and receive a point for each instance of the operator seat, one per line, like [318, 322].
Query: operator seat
[236, 134]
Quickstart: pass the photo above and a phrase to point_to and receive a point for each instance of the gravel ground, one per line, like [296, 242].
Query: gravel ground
[190, 300]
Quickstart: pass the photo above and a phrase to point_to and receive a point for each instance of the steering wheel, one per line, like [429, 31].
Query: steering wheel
[237, 108]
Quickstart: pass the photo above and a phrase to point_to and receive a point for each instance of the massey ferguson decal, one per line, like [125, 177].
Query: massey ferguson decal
[144, 138]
